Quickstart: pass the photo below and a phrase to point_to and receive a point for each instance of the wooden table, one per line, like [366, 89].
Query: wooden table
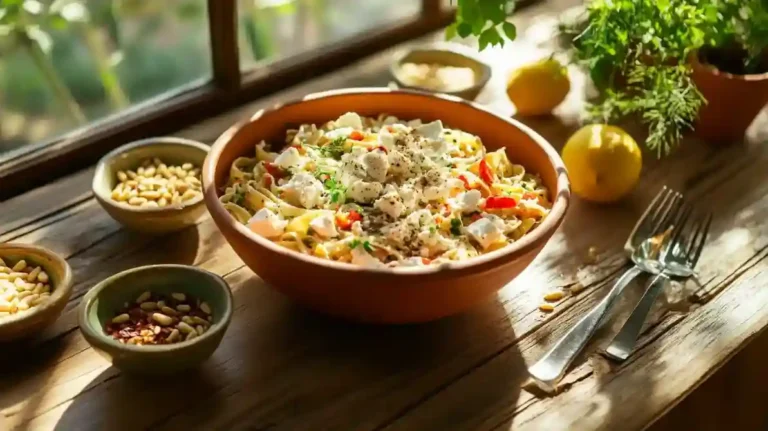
[280, 367]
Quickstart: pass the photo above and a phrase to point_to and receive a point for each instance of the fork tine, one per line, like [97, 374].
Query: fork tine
[641, 230]
[656, 208]
[670, 214]
[679, 224]
[701, 240]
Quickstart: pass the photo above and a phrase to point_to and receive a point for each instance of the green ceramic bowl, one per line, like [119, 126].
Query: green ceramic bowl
[174, 151]
[109, 296]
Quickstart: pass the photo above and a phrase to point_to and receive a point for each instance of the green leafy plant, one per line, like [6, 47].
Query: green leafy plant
[485, 19]
[637, 53]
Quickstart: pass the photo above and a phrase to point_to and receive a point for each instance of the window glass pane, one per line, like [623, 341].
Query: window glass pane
[273, 29]
[66, 63]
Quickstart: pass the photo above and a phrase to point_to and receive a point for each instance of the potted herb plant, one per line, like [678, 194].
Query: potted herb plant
[678, 65]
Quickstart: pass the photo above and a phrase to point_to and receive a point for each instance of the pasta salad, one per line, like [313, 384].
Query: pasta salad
[382, 192]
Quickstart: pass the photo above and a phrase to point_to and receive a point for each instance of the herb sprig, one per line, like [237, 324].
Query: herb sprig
[334, 149]
[485, 19]
[336, 191]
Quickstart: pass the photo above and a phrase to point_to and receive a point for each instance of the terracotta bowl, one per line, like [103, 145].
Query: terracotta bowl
[391, 295]
[34, 320]
[149, 220]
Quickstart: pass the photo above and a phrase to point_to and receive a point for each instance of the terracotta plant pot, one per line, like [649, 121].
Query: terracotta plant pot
[733, 101]
[389, 295]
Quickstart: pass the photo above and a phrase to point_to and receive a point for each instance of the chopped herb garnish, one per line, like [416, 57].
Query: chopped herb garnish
[238, 197]
[367, 247]
[354, 243]
[456, 226]
[432, 229]
[336, 191]
[335, 148]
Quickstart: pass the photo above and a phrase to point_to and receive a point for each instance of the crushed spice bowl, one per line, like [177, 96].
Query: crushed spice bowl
[104, 301]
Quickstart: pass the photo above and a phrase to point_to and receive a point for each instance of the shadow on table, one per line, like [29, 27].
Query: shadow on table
[280, 364]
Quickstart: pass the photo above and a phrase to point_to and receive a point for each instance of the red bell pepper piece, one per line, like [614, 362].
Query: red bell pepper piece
[485, 172]
[274, 170]
[356, 135]
[354, 216]
[344, 221]
[426, 261]
[382, 148]
[499, 202]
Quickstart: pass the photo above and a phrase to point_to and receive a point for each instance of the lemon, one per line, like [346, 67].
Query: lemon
[537, 88]
[603, 162]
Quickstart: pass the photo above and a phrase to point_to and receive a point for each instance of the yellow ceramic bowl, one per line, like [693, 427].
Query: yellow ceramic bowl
[35, 319]
[175, 151]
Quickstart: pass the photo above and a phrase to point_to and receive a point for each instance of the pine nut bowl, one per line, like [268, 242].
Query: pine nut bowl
[152, 185]
[381, 293]
[35, 286]
[157, 319]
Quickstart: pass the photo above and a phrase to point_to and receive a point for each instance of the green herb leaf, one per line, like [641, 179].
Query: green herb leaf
[509, 30]
[354, 243]
[367, 247]
[335, 148]
[456, 226]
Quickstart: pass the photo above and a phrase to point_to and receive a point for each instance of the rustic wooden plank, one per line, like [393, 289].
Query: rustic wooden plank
[280, 367]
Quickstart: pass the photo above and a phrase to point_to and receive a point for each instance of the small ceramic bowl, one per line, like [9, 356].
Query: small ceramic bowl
[175, 151]
[107, 298]
[445, 55]
[37, 318]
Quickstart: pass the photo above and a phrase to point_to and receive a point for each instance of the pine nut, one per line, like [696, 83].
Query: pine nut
[143, 297]
[186, 166]
[554, 296]
[174, 336]
[22, 306]
[200, 330]
[547, 308]
[205, 307]
[169, 311]
[122, 176]
[132, 175]
[148, 306]
[33, 274]
[179, 296]
[43, 277]
[29, 298]
[576, 288]
[150, 194]
[162, 319]
[188, 195]
[188, 320]
[20, 265]
[184, 308]
[191, 335]
[136, 201]
[185, 328]
[121, 318]
[200, 321]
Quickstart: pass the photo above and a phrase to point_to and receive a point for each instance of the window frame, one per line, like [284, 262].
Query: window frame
[228, 88]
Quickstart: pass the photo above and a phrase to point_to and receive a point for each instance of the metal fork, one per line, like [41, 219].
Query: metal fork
[679, 257]
[656, 219]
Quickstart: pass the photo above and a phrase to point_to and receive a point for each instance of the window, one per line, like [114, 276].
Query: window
[274, 29]
[66, 64]
[80, 77]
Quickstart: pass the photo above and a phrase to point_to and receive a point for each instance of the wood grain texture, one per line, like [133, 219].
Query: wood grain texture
[282, 368]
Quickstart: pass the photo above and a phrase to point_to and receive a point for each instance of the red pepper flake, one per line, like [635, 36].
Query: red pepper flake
[274, 170]
[530, 195]
[356, 135]
[466, 182]
[499, 202]
[426, 261]
[485, 172]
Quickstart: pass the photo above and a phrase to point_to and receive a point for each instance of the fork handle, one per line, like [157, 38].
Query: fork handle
[552, 366]
[624, 342]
